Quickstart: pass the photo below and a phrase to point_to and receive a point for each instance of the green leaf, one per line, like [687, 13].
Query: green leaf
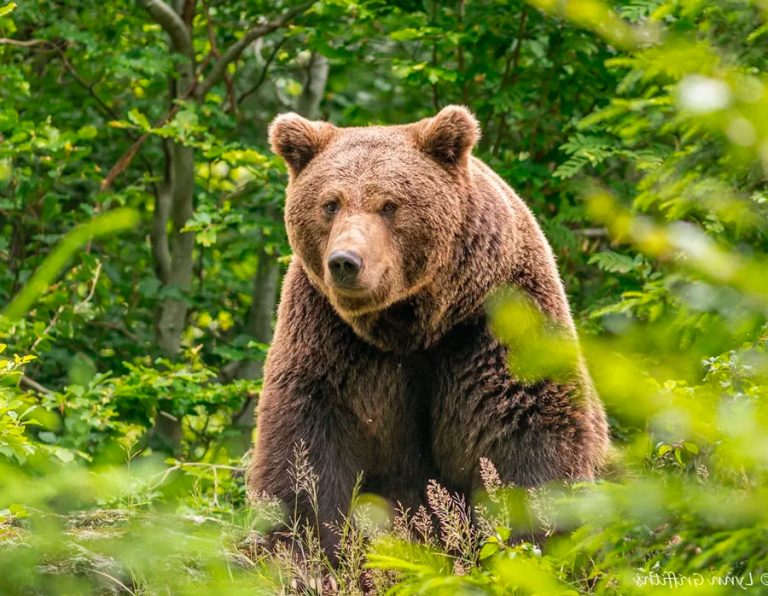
[87, 132]
[139, 119]
[691, 447]
[613, 262]
[406, 34]
[488, 550]
[9, 118]
[503, 532]
[120, 124]
[7, 9]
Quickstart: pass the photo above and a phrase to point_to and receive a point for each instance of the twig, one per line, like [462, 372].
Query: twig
[592, 232]
[116, 327]
[128, 156]
[117, 581]
[48, 328]
[106, 109]
[511, 60]
[78, 307]
[55, 317]
[233, 52]
[188, 12]
[263, 76]
[519, 44]
[181, 465]
[24, 43]
[202, 464]
[34, 385]
[544, 93]
[215, 488]
[86, 85]
[215, 51]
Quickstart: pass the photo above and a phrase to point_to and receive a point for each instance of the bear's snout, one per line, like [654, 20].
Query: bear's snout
[344, 266]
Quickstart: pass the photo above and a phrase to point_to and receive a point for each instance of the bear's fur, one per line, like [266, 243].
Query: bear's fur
[399, 377]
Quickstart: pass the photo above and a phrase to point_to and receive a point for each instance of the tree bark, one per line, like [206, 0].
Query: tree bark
[172, 315]
[175, 203]
[315, 80]
[265, 287]
[175, 199]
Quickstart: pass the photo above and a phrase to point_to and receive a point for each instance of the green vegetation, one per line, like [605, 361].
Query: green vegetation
[141, 247]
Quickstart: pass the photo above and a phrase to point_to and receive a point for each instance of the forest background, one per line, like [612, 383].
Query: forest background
[142, 247]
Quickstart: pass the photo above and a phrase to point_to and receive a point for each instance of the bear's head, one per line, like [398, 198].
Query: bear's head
[374, 213]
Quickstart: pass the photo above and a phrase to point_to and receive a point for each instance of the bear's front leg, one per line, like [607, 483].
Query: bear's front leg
[303, 458]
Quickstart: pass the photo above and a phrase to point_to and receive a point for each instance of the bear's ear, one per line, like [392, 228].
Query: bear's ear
[449, 136]
[298, 140]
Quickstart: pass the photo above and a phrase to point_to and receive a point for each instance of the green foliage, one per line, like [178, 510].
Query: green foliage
[636, 130]
[14, 442]
[107, 409]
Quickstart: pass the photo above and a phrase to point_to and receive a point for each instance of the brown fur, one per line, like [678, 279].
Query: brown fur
[400, 378]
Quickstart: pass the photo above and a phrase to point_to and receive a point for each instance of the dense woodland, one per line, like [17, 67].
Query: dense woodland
[142, 248]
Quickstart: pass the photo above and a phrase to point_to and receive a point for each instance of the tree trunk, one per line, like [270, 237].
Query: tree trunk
[175, 198]
[315, 79]
[262, 308]
[175, 203]
[172, 314]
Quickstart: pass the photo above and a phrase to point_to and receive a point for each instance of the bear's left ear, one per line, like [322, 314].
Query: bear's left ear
[449, 136]
[298, 140]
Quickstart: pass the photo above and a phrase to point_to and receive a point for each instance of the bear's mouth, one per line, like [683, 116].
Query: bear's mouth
[349, 292]
[359, 300]
[353, 299]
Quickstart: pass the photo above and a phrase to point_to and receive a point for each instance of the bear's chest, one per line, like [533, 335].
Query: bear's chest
[390, 397]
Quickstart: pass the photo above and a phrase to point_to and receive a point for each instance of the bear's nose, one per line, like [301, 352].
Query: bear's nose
[344, 266]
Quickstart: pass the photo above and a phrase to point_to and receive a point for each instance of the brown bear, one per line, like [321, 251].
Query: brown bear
[383, 362]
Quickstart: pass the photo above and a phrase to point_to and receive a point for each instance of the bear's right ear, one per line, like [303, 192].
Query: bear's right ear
[298, 140]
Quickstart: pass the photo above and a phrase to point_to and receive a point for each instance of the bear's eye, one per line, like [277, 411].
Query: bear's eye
[331, 207]
[388, 208]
